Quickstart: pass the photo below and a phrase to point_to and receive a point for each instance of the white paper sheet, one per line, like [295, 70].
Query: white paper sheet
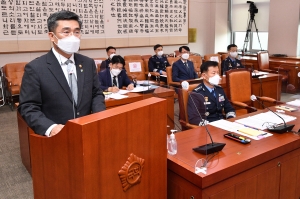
[135, 67]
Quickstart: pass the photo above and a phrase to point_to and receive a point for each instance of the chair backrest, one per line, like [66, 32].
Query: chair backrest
[132, 57]
[239, 86]
[14, 72]
[171, 60]
[183, 96]
[169, 75]
[263, 60]
[136, 75]
[224, 56]
[146, 62]
[98, 63]
[144, 57]
[197, 60]
[214, 57]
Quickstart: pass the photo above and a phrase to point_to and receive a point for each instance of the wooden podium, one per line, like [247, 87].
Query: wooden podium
[117, 153]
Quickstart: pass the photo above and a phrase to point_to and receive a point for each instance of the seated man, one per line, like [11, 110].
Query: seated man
[183, 69]
[208, 101]
[158, 62]
[231, 62]
[113, 78]
[110, 51]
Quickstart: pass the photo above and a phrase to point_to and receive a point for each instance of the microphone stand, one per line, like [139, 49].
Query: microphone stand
[278, 129]
[213, 146]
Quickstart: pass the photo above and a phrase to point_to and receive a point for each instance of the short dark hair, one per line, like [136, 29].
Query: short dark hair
[204, 67]
[230, 46]
[61, 15]
[110, 47]
[118, 59]
[157, 46]
[184, 47]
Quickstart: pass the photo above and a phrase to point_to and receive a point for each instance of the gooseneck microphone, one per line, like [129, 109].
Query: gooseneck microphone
[207, 148]
[277, 129]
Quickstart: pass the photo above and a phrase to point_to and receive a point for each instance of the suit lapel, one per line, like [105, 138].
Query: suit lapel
[80, 76]
[58, 73]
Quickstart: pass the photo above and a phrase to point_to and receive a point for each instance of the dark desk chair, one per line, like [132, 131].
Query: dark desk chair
[264, 65]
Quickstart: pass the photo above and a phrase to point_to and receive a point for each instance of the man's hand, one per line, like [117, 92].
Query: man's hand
[130, 87]
[56, 130]
[113, 89]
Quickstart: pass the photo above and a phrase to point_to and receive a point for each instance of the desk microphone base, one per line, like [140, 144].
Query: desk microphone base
[282, 128]
[209, 148]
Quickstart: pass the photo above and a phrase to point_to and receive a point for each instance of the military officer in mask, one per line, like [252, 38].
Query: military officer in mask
[231, 62]
[208, 102]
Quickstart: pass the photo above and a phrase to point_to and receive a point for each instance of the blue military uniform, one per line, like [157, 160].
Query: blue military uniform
[211, 106]
[158, 64]
[228, 64]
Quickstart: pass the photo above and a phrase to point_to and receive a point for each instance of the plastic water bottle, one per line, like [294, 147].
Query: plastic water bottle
[172, 144]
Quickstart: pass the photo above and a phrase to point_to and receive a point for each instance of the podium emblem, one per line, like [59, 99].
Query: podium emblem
[131, 173]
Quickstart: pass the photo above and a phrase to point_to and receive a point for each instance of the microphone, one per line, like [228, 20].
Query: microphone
[277, 129]
[207, 148]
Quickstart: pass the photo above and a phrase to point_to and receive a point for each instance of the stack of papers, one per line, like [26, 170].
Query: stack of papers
[240, 129]
[294, 103]
[262, 120]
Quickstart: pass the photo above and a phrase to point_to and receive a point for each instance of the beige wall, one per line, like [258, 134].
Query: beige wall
[208, 16]
[283, 27]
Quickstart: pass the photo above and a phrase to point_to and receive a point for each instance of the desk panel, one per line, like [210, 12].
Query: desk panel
[262, 169]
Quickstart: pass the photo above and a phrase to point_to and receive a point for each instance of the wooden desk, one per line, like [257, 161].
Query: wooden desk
[267, 168]
[290, 63]
[160, 92]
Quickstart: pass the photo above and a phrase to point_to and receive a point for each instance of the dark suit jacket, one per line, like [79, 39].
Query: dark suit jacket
[209, 106]
[104, 64]
[180, 72]
[106, 81]
[46, 98]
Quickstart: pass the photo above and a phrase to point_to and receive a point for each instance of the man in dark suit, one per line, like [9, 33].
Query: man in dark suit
[110, 51]
[60, 85]
[208, 99]
[183, 69]
[114, 77]
[231, 62]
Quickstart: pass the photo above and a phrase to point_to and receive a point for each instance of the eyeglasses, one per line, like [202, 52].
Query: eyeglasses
[66, 33]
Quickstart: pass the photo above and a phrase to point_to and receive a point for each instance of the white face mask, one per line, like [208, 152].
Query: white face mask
[111, 55]
[185, 56]
[214, 80]
[115, 72]
[160, 53]
[69, 44]
[233, 54]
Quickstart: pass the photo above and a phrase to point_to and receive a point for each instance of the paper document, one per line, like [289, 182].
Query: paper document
[260, 73]
[117, 96]
[144, 82]
[262, 120]
[141, 89]
[122, 92]
[294, 103]
[163, 75]
[240, 129]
